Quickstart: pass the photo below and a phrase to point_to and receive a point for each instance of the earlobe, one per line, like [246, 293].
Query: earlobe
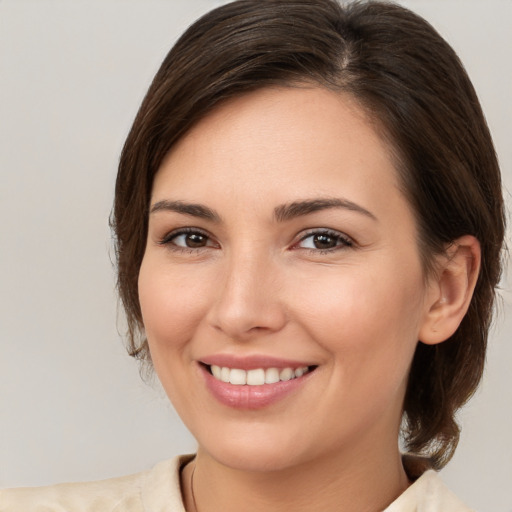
[451, 290]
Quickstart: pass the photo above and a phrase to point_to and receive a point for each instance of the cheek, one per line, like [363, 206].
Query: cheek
[172, 305]
[367, 318]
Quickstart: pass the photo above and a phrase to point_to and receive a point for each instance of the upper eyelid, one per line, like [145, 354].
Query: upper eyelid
[334, 232]
[168, 236]
[346, 242]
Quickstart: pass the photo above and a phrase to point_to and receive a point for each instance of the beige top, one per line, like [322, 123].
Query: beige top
[158, 490]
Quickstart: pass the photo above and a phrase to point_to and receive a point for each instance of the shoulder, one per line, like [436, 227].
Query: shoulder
[428, 494]
[107, 495]
[133, 493]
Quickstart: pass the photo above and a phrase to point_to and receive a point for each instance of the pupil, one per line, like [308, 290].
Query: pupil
[196, 240]
[324, 241]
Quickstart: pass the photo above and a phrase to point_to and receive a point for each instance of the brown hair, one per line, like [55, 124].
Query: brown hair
[411, 82]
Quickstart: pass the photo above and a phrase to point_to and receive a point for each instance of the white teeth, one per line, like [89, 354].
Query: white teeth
[286, 374]
[271, 376]
[224, 374]
[238, 377]
[216, 371]
[256, 377]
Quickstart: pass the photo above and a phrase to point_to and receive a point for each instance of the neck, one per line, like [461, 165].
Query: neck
[368, 484]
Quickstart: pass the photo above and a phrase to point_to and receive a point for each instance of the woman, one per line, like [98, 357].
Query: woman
[309, 223]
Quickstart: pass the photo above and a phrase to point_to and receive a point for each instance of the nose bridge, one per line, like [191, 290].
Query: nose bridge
[248, 300]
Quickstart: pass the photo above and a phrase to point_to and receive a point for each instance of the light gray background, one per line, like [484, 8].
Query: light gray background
[72, 406]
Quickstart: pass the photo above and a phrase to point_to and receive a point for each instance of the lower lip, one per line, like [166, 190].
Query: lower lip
[251, 397]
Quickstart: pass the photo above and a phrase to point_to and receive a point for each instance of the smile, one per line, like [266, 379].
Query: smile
[256, 376]
[253, 382]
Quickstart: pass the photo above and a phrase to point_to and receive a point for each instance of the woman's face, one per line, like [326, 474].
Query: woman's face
[280, 245]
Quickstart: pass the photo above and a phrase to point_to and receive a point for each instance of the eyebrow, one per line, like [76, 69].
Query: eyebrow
[192, 209]
[299, 208]
[282, 213]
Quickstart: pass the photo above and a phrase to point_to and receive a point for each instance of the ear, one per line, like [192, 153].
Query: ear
[450, 290]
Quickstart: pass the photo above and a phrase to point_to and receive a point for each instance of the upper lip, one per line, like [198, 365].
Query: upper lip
[251, 362]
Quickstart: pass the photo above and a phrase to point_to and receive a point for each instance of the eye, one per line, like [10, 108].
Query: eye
[188, 239]
[191, 240]
[324, 240]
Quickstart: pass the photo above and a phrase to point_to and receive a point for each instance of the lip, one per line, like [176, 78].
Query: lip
[251, 397]
[252, 362]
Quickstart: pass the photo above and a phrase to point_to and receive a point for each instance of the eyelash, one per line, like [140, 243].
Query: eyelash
[342, 241]
[168, 239]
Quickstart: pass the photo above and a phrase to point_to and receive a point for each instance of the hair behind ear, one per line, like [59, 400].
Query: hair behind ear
[448, 362]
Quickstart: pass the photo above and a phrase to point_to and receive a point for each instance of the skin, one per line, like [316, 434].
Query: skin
[253, 284]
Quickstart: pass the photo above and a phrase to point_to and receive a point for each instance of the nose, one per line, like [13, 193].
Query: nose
[248, 302]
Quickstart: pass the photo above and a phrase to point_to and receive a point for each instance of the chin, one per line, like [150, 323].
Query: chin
[253, 453]
[253, 460]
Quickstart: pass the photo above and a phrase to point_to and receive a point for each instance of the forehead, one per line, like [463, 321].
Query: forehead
[283, 142]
